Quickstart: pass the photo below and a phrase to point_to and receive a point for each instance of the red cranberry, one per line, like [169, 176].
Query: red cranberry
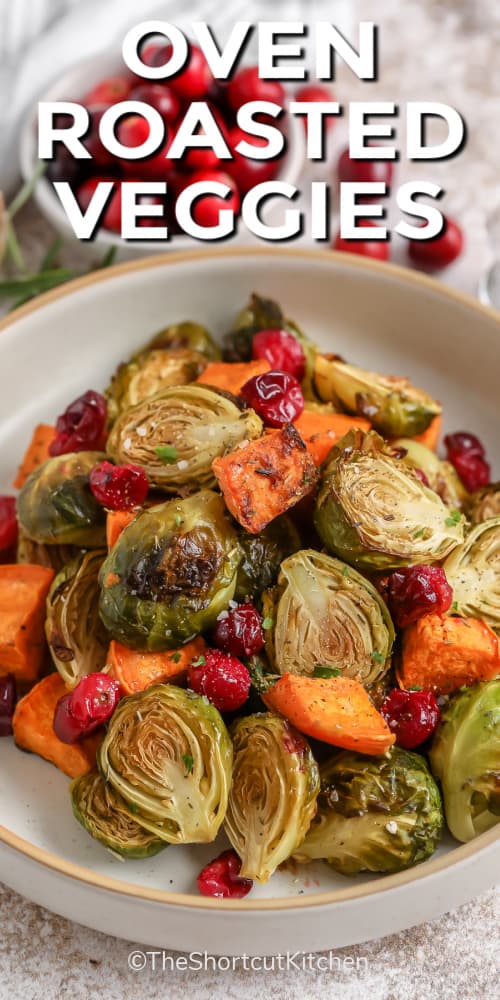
[7, 704]
[463, 441]
[221, 678]
[239, 631]
[119, 487]
[246, 86]
[206, 209]
[93, 143]
[8, 523]
[246, 171]
[86, 191]
[194, 80]
[314, 93]
[420, 474]
[220, 878]
[109, 91]
[364, 171]
[415, 591]
[160, 97]
[440, 251]
[90, 704]
[378, 249]
[282, 350]
[467, 454]
[200, 158]
[81, 426]
[411, 715]
[275, 396]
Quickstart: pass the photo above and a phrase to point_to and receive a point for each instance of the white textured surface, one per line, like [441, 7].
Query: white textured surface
[444, 51]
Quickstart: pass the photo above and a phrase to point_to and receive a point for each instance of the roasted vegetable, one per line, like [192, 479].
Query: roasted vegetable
[273, 793]
[136, 671]
[107, 817]
[430, 437]
[38, 554]
[374, 512]
[185, 336]
[441, 654]
[375, 814]
[171, 572]
[36, 453]
[168, 753]
[23, 593]
[484, 504]
[116, 521]
[262, 555]
[324, 613]
[442, 477]
[473, 571]
[320, 431]
[77, 639]
[149, 373]
[393, 405]
[265, 478]
[176, 434]
[232, 377]
[56, 506]
[465, 757]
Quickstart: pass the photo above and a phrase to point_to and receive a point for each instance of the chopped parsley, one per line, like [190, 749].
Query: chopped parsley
[200, 662]
[132, 807]
[378, 657]
[175, 657]
[167, 454]
[454, 606]
[267, 623]
[454, 518]
[345, 571]
[177, 520]
[419, 533]
[326, 672]
[188, 763]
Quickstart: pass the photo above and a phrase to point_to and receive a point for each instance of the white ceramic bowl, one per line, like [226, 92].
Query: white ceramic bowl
[72, 86]
[72, 339]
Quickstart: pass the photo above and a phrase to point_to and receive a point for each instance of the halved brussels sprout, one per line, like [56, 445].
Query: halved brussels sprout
[374, 512]
[52, 556]
[56, 505]
[171, 572]
[168, 753]
[465, 757]
[262, 556]
[185, 336]
[473, 571]
[443, 478]
[325, 614]
[77, 639]
[107, 817]
[176, 434]
[273, 793]
[149, 373]
[484, 504]
[375, 814]
[393, 405]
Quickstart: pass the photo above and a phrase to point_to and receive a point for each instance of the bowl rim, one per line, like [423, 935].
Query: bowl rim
[433, 867]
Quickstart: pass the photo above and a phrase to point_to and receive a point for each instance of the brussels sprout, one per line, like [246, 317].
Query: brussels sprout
[473, 571]
[484, 504]
[56, 505]
[107, 817]
[52, 556]
[465, 757]
[176, 434]
[443, 478]
[168, 753]
[77, 639]
[262, 556]
[375, 814]
[148, 374]
[273, 793]
[393, 405]
[325, 614]
[171, 572]
[185, 336]
[374, 512]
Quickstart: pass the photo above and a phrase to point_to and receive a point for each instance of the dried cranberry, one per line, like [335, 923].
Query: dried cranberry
[247, 85]
[8, 523]
[7, 704]
[463, 441]
[221, 878]
[239, 631]
[467, 454]
[207, 207]
[378, 249]
[109, 91]
[420, 474]
[90, 704]
[282, 350]
[160, 97]
[411, 715]
[119, 487]
[416, 591]
[440, 251]
[221, 678]
[275, 396]
[81, 426]
[364, 171]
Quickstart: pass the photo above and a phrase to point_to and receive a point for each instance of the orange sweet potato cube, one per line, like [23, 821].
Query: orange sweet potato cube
[441, 654]
[23, 594]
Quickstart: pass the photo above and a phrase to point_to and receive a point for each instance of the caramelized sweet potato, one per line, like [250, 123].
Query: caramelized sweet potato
[431, 436]
[231, 377]
[320, 431]
[116, 521]
[36, 453]
[137, 671]
[33, 729]
[441, 654]
[23, 593]
[265, 478]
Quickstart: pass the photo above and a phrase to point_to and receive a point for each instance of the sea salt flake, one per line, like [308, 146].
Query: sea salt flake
[391, 827]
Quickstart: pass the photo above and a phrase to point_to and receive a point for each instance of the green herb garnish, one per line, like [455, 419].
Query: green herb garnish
[188, 763]
[200, 662]
[326, 672]
[378, 657]
[167, 454]
[454, 518]
[267, 623]
[175, 657]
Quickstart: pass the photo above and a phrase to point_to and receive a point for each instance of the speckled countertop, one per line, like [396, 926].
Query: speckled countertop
[444, 51]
